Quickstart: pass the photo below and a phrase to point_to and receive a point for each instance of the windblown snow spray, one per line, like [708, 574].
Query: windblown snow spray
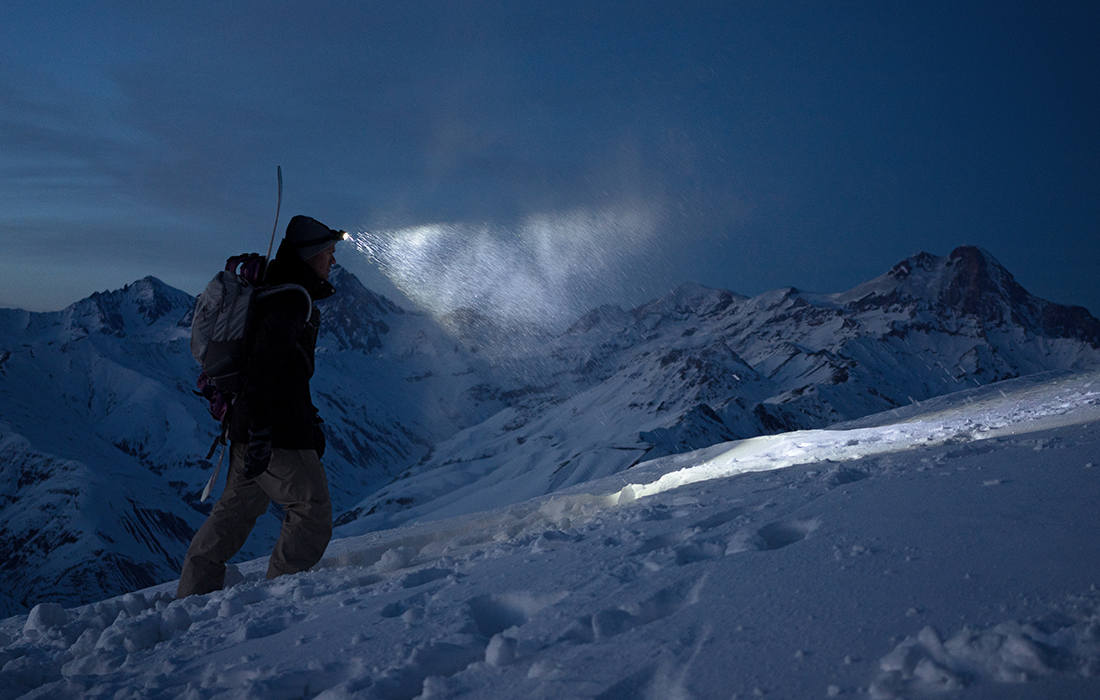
[544, 272]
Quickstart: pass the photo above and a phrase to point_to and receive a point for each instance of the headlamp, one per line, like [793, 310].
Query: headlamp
[333, 236]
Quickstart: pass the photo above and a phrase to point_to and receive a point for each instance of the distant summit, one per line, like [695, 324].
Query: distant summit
[971, 282]
[148, 300]
[147, 307]
[356, 317]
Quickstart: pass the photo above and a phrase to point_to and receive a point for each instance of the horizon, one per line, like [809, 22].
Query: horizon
[395, 295]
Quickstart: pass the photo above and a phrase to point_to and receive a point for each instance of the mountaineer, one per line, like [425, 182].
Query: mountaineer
[274, 429]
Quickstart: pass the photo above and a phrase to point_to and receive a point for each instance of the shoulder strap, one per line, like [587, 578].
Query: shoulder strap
[276, 289]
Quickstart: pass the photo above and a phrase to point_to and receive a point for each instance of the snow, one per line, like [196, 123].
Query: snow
[701, 366]
[428, 417]
[944, 548]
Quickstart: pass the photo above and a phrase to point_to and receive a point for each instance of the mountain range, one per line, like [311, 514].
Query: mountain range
[102, 442]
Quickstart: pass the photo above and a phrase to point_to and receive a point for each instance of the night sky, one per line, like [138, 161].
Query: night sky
[742, 145]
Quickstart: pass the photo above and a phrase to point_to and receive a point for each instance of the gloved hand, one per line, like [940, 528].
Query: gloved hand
[318, 437]
[257, 455]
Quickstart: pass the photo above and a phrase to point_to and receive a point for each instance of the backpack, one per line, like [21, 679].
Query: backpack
[219, 337]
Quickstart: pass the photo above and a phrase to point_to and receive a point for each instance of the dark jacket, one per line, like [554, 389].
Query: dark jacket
[281, 345]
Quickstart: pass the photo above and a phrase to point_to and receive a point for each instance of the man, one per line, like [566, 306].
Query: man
[275, 433]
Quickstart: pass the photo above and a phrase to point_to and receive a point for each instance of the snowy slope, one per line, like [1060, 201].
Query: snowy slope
[87, 506]
[701, 366]
[78, 530]
[948, 548]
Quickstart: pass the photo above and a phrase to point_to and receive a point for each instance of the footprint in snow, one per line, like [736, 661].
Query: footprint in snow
[266, 626]
[401, 607]
[845, 475]
[654, 544]
[685, 547]
[772, 536]
[423, 576]
[713, 521]
[698, 551]
[494, 613]
[428, 666]
[681, 549]
[612, 622]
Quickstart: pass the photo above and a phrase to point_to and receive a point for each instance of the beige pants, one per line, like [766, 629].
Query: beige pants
[296, 480]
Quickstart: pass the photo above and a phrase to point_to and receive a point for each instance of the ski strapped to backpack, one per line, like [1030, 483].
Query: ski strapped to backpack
[219, 334]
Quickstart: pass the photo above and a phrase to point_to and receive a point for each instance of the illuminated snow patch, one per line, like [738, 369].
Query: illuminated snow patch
[1023, 411]
[771, 452]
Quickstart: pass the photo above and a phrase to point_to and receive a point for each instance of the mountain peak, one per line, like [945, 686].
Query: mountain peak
[690, 299]
[920, 261]
[350, 289]
[972, 282]
[607, 315]
[141, 304]
[979, 285]
[355, 316]
[969, 280]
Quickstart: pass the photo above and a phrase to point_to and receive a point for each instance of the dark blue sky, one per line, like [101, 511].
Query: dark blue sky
[789, 143]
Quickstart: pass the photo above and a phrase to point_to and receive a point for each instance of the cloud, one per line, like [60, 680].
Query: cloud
[50, 139]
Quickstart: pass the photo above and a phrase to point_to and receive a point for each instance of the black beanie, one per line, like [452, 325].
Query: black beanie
[309, 236]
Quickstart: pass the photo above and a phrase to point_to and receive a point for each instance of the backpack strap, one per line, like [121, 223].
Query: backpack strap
[270, 291]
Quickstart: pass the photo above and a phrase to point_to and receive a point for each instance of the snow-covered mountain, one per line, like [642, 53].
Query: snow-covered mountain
[701, 366]
[95, 424]
[942, 550]
[103, 441]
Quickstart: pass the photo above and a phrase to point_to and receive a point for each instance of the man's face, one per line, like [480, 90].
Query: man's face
[322, 262]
